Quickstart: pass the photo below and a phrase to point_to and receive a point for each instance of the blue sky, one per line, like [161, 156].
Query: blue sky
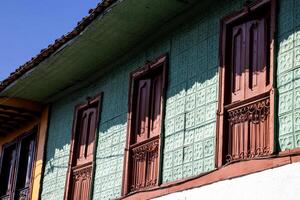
[27, 26]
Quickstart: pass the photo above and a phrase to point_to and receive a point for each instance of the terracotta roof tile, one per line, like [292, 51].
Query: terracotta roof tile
[45, 53]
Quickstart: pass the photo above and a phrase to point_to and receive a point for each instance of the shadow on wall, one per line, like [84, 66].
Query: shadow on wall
[288, 75]
[190, 111]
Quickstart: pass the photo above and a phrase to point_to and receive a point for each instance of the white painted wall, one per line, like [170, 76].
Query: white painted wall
[281, 183]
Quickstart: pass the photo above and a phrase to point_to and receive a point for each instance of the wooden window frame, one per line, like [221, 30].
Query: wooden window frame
[17, 141]
[225, 23]
[89, 100]
[160, 62]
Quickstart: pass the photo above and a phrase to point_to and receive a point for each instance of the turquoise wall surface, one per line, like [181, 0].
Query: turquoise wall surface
[190, 121]
[288, 74]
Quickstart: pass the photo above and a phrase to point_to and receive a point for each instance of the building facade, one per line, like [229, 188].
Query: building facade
[159, 100]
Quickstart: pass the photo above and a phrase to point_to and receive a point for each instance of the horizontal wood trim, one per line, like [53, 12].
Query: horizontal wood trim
[226, 172]
[21, 103]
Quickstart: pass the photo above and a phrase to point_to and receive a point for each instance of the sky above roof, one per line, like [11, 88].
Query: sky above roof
[31, 25]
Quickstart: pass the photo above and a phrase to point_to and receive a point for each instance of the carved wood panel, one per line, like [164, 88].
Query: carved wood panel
[144, 165]
[249, 130]
[81, 182]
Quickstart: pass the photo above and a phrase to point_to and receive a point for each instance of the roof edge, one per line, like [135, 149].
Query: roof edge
[58, 43]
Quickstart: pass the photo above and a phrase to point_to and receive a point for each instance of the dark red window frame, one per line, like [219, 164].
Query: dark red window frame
[82, 150]
[139, 176]
[232, 112]
[19, 178]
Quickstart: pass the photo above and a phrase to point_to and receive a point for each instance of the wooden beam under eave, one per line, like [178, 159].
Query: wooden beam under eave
[10, 109]
[21, 104]
[8, 127]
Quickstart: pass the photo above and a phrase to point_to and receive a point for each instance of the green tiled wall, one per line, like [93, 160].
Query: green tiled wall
[190, 120]
[288, 74]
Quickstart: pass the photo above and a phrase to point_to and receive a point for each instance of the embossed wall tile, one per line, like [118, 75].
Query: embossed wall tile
[119, 164]
[179, 123]
[209, 147]
[297, 38]
[198, 167]
[202, 81]
[211, 110]
[211, 94]
[200, 98]
[285, 124]
[169, 143]
[188, 169]
[189, 136]
[199, 133]
[190, 102]
[297, 139]
[190, 119]
[169, 126]
[180, 105]
[209, 130]
[285, 61]
[211, 76]
[286, 43]
[168, 160]
[286, 142]
[192, 83]
[209, 164]
[284, 81]
[297, 120]
[167, 175]
[188, 154]
[177, 157]
[170, 110]
[297, 77]
[177, 172]
[285, 102]
[297, 57]
[178, 139]
[198, 150]
[115, 138]
[200, 115]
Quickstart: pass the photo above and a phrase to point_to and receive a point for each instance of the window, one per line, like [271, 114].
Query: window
[245, 116]
[16, 168]
[82, 150]
[147, 86]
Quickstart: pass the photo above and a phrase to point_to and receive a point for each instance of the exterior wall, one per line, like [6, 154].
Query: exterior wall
[288, 74]
[261, 185]
[190, 119]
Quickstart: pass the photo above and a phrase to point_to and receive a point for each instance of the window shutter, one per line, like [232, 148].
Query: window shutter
[16, 170]
[7, 174]
[144, 125]
[82, 150]
[245, 117]
[238, 62]
[142, 110]
[155, 120]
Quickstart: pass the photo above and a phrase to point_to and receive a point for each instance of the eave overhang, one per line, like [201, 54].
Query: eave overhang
[115, 32]
[16, 113]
